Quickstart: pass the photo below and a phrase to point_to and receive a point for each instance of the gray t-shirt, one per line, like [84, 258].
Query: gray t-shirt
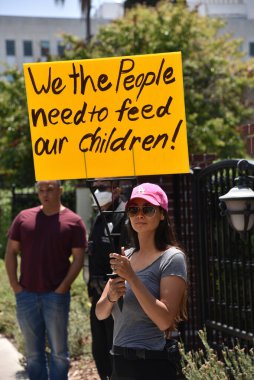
[132, 327]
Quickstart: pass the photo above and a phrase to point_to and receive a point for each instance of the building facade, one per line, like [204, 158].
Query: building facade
[239, 17]
[31, 39]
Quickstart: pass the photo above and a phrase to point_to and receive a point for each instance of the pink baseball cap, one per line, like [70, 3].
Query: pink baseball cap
[151, 193]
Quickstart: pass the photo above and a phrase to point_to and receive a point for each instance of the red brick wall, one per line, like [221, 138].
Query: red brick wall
[201, 160]
[247, 132]
[166, 181]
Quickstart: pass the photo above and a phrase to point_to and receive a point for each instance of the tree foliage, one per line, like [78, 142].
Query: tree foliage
[216, 77]
[132, 3]
[15, 144]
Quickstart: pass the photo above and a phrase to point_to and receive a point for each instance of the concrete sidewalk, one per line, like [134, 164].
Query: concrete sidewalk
[10, 368]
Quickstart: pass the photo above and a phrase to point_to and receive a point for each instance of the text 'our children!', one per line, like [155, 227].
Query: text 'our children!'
[99, 142]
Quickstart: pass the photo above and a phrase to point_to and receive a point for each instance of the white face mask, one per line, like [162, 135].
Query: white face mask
[103, 197]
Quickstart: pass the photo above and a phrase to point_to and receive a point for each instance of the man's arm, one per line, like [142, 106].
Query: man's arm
[11, 264]
[75, 268]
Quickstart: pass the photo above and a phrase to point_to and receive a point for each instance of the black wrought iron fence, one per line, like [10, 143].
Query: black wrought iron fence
[225, 263]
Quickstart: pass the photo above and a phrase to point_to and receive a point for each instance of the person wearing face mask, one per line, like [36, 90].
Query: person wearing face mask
[106, 231]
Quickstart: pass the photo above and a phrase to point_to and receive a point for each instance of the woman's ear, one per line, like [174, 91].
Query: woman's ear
[162, 215]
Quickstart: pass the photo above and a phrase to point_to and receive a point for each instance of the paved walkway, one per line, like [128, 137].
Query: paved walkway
[10, 368]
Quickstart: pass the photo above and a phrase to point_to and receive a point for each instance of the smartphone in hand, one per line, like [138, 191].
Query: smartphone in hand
[112, 275]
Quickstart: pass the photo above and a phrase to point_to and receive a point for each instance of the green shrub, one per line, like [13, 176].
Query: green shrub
[79, 325]
[5, 218]
[235, 364]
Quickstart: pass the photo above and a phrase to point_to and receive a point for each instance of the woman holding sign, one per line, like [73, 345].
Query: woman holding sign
[152, 279]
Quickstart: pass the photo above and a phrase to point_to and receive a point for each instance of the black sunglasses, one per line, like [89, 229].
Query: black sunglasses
[146, 210]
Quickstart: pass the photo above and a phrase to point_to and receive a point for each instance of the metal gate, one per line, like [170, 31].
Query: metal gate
[224, 262]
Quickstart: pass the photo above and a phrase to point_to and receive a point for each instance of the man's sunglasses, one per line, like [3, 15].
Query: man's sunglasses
[103, 188]
[146, 210]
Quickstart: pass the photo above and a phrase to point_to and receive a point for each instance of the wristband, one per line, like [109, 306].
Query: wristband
[110, 299]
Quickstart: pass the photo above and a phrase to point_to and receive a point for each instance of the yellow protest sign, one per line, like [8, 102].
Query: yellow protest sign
[110, 117]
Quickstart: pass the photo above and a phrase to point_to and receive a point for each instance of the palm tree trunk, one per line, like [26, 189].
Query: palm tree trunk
[88, 21]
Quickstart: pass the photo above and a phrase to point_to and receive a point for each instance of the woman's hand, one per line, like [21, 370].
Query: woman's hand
[116, 289]
[121, 265]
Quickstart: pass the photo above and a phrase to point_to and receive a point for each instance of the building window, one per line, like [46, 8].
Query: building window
[60, 48]
[44, 48]
[251, 49]
[10, 48]
[28, 48]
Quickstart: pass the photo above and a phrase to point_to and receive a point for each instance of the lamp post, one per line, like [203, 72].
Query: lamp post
[238, 203]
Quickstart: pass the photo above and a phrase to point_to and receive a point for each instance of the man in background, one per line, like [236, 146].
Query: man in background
[46, 237]
[107, 235]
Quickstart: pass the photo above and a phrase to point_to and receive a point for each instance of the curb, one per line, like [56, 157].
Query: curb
[10, 367]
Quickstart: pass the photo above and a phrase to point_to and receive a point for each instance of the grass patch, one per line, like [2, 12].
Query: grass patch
[79, 326]
[8, 323]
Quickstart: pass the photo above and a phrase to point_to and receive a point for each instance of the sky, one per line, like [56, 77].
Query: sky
[43, 8]
[46, 8]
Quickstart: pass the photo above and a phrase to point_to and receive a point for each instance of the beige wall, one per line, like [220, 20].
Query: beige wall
[84, 201]
[37, 29]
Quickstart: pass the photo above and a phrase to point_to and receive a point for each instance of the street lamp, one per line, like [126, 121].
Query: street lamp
[238, 203]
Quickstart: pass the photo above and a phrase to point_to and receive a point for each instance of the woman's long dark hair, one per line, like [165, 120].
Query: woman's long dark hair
[165, 237]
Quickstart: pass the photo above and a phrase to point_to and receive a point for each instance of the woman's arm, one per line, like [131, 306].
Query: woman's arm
[161, 311]
[114, 289]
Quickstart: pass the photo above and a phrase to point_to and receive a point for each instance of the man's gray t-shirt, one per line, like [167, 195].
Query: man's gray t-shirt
[132, 327]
